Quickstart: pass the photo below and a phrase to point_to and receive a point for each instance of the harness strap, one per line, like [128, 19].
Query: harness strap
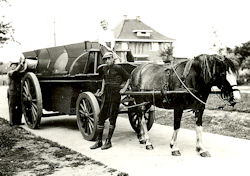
[187, 68]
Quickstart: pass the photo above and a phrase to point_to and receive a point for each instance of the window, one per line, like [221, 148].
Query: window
[124, 46]
[143, 33]
[155, 46]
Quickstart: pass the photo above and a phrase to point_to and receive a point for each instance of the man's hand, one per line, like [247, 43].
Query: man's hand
[22, 60]
[98, 93]
[122, 91]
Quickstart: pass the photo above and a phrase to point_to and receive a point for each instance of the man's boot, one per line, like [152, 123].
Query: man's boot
[98, 142]
[108, 144]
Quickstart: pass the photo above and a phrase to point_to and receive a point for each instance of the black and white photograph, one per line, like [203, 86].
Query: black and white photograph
[124, 88]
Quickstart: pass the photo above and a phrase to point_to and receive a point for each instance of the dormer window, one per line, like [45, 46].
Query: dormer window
[142, 33]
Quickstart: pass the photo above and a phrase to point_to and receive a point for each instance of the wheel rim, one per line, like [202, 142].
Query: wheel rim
[31, 100]
[86, 116]
[134, 120]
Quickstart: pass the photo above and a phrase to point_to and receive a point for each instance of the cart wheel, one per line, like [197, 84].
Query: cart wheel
[31, 98]
[134, 120]
[87, 111]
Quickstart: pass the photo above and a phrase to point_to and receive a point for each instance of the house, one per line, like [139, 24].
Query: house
[144, 42]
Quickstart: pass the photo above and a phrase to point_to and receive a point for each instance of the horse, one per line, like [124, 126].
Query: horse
[190, 82]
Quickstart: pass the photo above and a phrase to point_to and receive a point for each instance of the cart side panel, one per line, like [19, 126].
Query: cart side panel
[43, 61]
[74, 50]
[62, 96]
[57, 97]
[78, 66]
[30, 54]
[58, 59]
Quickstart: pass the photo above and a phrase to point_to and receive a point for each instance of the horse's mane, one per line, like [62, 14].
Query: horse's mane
[213, 59]
[208, 64]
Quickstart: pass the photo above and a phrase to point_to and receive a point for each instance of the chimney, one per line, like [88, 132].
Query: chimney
[138, 18]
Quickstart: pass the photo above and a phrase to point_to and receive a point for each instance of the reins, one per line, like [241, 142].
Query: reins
[184, 85]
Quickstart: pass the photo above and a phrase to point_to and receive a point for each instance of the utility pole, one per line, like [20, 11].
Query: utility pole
[217, 44]
[54, 25]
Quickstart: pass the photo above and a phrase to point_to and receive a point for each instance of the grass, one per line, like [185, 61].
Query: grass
[242, 106]
[23, 153]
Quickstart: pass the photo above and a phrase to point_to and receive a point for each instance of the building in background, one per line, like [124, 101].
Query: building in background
[144, 42]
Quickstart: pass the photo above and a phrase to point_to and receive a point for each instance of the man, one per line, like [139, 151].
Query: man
[14, 91]
[107, 41]
[113, 76]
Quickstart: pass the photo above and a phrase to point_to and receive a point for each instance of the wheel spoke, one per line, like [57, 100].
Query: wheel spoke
[82, 107]
[27, 85]
[90, 128]
[34, 105]
[25, 96]
[82, 112]
[91, 119]
[87, 128]
[34, 112]
[25, 89]
[85, 106]
[90, 116]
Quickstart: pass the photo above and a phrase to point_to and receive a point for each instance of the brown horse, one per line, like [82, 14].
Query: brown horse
[194, 79]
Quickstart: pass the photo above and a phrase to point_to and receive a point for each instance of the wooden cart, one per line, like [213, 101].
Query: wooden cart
[64, 79]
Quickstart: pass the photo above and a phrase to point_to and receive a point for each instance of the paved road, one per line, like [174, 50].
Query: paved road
[230, 156]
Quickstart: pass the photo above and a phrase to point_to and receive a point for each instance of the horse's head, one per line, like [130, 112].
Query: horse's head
[221, 72]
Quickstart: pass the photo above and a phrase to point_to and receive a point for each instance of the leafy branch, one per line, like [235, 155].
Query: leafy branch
[167, 53]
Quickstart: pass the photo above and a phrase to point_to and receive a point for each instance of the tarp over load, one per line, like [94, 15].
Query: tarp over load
[68, 59]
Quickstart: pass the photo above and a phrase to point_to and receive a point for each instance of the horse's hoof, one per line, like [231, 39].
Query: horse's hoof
[198, 149]
[171, 145]
[205, 154]
[149, 147]
[142, 142]
[176, 153]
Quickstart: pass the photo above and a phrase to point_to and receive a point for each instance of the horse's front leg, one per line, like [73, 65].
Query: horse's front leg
[177, 123]
[199, 144]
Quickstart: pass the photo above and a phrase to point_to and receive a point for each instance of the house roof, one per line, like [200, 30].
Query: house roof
[125, 31]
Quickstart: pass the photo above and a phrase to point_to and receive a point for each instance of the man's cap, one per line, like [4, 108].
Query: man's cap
[107, 55]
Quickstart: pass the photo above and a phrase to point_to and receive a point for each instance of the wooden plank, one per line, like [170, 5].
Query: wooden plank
[159, 92]
[153, 92]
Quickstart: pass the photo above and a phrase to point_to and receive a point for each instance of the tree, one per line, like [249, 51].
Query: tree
[241, 54]
[243, 50]
[6, 29]
[167, 54]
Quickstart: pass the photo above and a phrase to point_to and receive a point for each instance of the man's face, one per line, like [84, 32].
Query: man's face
[110, 61]
[104, 25]
[13, 66]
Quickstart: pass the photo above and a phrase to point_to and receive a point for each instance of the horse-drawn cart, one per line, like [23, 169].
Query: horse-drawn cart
[64, 79]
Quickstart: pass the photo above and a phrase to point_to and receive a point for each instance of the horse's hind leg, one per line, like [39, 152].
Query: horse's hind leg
[177, 123]
[149, 145]
[141, 134]
[199, 144]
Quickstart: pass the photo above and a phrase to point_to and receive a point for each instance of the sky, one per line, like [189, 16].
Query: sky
[190, 22]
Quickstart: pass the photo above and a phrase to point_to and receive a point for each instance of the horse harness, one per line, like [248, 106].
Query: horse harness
[170, 70]
[167, 82]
